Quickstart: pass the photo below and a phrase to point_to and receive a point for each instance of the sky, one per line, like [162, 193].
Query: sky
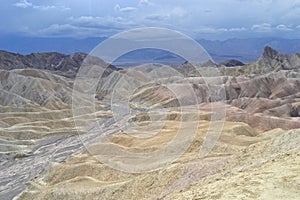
[207, 19]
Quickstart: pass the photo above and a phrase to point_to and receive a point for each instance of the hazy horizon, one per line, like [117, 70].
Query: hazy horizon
[245, 50]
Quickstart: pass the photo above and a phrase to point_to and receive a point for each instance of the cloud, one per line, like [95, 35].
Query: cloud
[237, 29]
[83, 27]
[211, 30]
[265, 27]
[124, 9]
[117, 23]
[26, 4]
[69, 30]
[267, 16]
[157, 17]
[43, 7]
[178, 11]
[173, 13]
[283, 27]
[207, 29]
[23, 4]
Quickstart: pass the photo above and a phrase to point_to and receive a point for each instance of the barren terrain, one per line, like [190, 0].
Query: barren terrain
[237, 131]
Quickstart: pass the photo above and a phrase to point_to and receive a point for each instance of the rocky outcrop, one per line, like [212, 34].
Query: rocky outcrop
[232, 63]
[295, 110]
[274, 60]
[271, 63]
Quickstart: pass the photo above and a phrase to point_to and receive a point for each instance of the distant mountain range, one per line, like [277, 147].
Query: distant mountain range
[270, 60]
[27, 45]
[248, 50]
[245, 50]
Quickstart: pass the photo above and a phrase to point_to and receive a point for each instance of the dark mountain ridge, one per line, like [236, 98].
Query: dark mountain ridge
[62, 64]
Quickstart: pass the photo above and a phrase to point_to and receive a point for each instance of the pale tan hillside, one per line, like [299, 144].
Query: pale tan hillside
[238, 155]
